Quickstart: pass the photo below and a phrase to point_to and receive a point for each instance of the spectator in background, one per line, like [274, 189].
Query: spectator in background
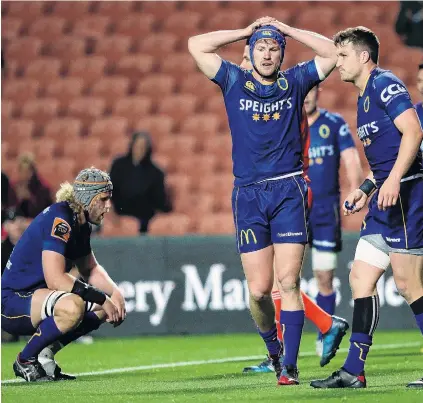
[6, 192]
[409, 24]
[15, 224]
[138, 184]
[31, 195]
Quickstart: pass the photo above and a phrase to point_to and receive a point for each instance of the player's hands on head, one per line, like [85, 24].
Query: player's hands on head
[388, 193]
[119, 301]
[257, 24]
[111, 311]
[284, 28]
[355, 201]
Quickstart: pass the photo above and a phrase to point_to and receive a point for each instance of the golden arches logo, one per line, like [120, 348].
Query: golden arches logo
[250, 86]
[245, 234]
[324, 131]
[282, 83]
[366, 104]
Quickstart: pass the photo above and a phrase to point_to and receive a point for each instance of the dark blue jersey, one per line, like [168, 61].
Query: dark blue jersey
[55, 229]
[265, 120]
[329, 136]
[383, 100]
[419, 110]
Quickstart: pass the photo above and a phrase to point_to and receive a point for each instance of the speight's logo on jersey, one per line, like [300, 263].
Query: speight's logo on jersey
[255, 106]
[364, 132]
[390, 91]
[249, 85]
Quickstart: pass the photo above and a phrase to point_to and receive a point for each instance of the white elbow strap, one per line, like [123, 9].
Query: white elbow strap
[368, 253]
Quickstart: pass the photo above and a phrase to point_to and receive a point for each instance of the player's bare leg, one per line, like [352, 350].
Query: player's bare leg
[288, 263]
[408, 275]
[92, 320]
[258, 269]
[363, 279]
[65, 312]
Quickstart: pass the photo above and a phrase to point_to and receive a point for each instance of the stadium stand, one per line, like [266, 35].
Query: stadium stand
[82, 76]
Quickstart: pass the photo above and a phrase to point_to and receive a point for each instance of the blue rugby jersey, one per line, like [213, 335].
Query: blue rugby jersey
[265, 120]
[383, 100]
[55, 229]
[419, 110]
[329, 136]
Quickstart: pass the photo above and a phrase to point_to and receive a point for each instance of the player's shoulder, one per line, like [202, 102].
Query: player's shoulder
[60, 211]
[332, 117]
[382, 78]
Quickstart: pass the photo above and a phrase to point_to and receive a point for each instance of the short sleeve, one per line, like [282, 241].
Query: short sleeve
[227, 76]
[56, 233]
[392, 95]
[344, 136]
[306, 75]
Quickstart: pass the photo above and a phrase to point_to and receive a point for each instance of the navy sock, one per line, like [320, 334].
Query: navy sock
[419, 320]
[417, 308]
[89, 323]
[359, 347]
[46, 334]
[327, 303]
[271, 340]
[293, 322]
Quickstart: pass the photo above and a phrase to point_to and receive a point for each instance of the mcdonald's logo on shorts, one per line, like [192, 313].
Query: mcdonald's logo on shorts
[245, 234]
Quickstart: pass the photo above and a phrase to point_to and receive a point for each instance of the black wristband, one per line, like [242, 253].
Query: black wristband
[367, 187]
[88, 292]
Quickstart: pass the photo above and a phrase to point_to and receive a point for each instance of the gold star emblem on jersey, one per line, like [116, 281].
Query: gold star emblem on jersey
[319, 160]
[276, 116]
[266, 117]
[256, 117]
[249, 85]
[366, 104]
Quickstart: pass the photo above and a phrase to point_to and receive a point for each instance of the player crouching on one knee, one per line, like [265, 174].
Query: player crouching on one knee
[41, 297]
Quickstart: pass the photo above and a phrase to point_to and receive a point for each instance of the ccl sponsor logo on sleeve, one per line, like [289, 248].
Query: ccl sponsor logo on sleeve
[390, 91]
[61, 229]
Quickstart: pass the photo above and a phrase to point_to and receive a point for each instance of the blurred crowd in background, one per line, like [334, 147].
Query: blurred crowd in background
[111, 84]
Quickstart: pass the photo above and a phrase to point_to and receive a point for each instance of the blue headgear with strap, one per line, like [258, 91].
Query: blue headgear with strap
[267, 32]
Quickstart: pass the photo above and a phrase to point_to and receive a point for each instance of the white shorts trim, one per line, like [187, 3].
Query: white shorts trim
[368, 253]
[323, 260]
[281, 177]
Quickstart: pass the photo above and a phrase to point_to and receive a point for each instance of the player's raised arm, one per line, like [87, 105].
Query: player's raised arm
[324, 47]
[203, 47]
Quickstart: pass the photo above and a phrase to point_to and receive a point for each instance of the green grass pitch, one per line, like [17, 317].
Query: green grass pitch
[389, 369]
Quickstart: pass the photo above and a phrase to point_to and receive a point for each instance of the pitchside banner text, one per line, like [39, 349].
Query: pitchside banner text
[192, 285]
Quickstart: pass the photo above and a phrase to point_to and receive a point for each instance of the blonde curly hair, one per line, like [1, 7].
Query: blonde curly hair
[67, 194]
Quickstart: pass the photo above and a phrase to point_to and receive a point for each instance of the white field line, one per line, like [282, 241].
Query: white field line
[215, 361]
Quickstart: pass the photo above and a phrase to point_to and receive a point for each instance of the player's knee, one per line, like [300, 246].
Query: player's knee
[259, 295]
[404, 287]
[71, 309]
[289, 283]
